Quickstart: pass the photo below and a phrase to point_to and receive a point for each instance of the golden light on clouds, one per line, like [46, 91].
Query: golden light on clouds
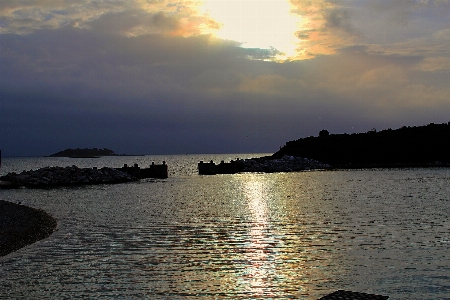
[294, 29]
[256, 24]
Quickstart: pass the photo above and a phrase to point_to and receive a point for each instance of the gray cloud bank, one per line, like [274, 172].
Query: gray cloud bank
[92, 86]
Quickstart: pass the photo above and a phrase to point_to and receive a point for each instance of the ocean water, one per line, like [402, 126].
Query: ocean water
[243, 236]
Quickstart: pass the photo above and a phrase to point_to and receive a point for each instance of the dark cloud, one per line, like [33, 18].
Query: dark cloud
[154, 93]
[74, 86]
[135, 22]
[340, 19]
[405, 11]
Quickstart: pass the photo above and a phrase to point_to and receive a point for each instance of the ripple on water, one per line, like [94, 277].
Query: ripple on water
[243, 236]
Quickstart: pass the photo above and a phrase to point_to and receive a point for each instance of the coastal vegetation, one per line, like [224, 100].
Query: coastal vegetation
[404, 147]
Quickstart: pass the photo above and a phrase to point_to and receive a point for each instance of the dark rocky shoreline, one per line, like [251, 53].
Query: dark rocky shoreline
[22, 225]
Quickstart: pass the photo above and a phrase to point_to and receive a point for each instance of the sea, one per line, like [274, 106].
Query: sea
[300, 235]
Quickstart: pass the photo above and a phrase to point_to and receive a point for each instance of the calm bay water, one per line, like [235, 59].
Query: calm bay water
[243, 236]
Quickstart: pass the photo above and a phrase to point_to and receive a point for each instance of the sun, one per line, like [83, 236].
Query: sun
[261, 24]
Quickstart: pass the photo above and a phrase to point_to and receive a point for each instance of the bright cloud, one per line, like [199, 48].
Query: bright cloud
[256, 24]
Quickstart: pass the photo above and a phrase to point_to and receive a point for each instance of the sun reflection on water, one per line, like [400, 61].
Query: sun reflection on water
[284, 254]
[257, 251]
[261, 249]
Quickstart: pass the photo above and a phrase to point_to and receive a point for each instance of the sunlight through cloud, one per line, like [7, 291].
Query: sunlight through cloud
[256, 24]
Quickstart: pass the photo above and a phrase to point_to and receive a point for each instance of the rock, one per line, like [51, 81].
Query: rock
[284, 164]
[59, 176]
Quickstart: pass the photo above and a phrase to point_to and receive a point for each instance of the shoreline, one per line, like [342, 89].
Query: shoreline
[21, 226]
[390, 166]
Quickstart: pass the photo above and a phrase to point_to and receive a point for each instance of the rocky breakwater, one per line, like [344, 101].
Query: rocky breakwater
[285, 164]
[65, 176]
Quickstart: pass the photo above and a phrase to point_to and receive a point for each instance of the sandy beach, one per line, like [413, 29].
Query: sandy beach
[21, 226]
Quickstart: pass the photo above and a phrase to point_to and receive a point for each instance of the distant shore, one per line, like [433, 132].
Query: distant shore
[22, 225]
[88, 153]
[389, 166]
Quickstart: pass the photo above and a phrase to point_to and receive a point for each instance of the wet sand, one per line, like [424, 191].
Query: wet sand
[21, 226]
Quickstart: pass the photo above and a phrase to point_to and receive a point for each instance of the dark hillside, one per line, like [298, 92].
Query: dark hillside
[406, 146]
[86, 152]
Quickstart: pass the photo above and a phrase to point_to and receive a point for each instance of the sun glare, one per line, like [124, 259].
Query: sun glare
[261, 24]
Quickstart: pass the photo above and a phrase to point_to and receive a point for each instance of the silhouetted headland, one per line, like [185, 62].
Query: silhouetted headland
[406, 147]
[421, 146]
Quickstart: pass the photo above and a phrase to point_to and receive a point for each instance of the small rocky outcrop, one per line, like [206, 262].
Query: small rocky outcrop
[86, 152]
[66, 176]
[283, 164]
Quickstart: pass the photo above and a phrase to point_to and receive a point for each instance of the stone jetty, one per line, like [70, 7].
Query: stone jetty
[341, 294]
[212, 169]
[66, 176]
[283, 164]
[261, 164]
[154, 171]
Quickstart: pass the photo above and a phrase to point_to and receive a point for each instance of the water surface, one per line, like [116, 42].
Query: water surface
[244, 236]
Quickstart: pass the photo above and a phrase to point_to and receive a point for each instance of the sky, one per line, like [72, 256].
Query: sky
[214, 76]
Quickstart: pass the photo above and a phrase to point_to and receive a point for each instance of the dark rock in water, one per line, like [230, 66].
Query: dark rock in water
[7, 185]
[66, 176]
[341, 294]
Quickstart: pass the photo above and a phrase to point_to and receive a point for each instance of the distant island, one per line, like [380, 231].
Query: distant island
[84, 153]
[419, 146]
